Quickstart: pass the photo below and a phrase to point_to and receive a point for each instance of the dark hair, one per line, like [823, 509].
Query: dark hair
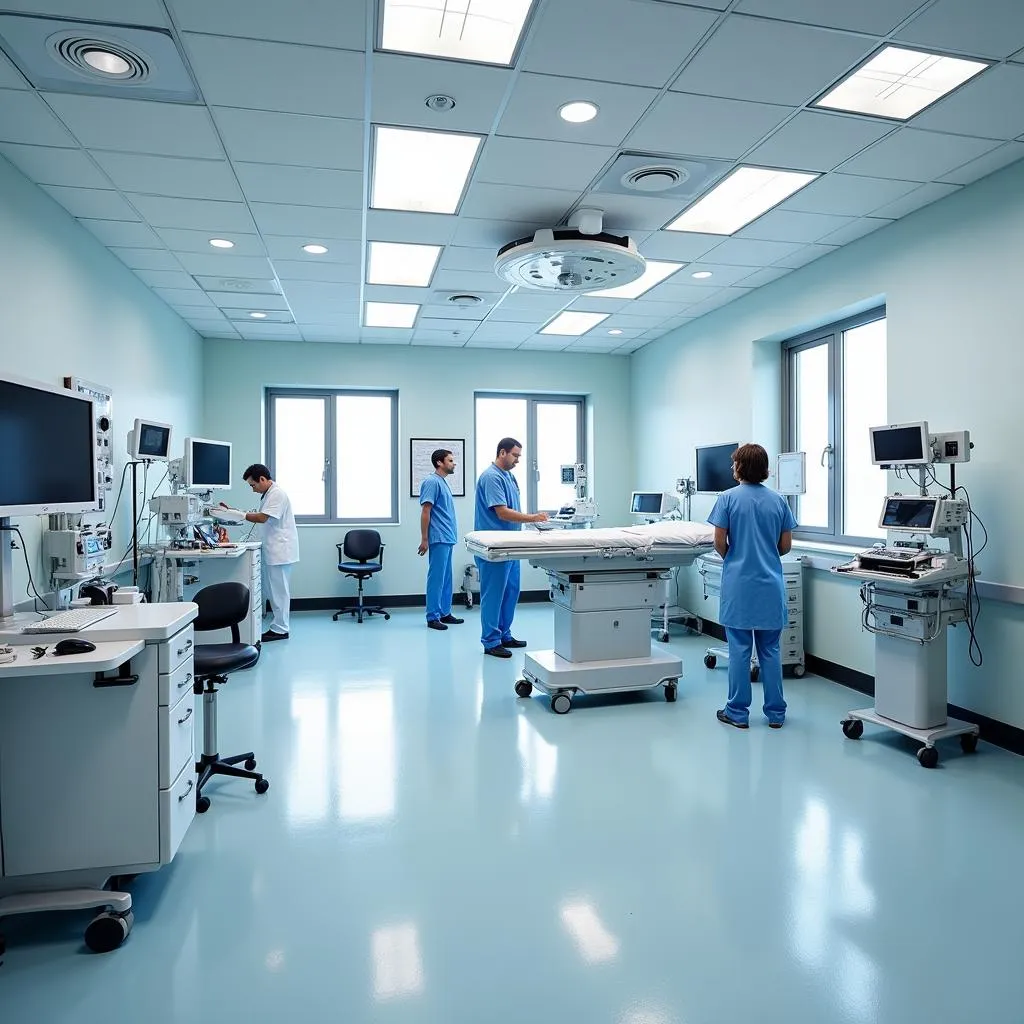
[256, 472]
[438, 456]
[751, 463]
[506, 444]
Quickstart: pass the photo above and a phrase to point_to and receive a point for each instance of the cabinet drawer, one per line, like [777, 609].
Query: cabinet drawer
[174, 684]
[173, 652]
[177, 809]
[176, 738]
[792, 638]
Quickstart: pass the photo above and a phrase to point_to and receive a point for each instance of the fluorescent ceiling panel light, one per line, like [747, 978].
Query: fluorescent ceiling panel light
[570, 323]
[486, 31]
[390, 314]
[578, 112]
[742, 197]
[425, 172]
[402, 264]
[900, 83]
[655, 272]
[315, 250]
[221, 243]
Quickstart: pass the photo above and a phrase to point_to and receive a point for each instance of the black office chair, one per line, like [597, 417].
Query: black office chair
[360, 556]
[221, 606]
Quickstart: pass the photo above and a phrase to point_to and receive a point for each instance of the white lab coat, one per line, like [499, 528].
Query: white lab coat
[279, 535]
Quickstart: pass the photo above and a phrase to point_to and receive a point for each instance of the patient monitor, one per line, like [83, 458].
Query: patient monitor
[652, 505]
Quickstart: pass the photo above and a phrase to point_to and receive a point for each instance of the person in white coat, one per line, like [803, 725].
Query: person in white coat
[280, 545]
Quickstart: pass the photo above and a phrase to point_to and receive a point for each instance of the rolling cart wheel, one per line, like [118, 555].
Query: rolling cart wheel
[853, 728]
[524, 688]
[202, 805]
[107, 931]
[250, 764]
[671, 692]
[755, 673]
[710, 660]
[262, 785]
[968, 742]
[386, 616]
[561, 703]
[799, 671]
[928, 756]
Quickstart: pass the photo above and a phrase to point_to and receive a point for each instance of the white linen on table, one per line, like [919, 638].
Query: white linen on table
[649, 537]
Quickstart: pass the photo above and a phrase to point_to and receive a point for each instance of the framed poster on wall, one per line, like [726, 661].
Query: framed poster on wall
[420, 466]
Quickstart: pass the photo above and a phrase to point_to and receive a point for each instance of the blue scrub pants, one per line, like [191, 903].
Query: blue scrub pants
[499, 592]
[741, 641]
[439, 581]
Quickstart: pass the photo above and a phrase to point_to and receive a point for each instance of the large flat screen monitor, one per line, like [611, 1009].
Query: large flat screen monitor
[714, 468]
[901, 444]
[48, 448]
[206, 465]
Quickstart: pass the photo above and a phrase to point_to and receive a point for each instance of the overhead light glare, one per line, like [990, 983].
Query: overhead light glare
[571, 323]
[314, 249]
[740, 198]
[654, 273]
[425, 172]
[105, 62]
[899, 83]
[258, 316]
[221, 243]
[486, 31]
[390, 314]
[399, 263]
[701, 275]
[578, 112]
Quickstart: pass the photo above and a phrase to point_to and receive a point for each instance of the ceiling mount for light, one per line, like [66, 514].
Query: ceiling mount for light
[440, 102]
[109, 60]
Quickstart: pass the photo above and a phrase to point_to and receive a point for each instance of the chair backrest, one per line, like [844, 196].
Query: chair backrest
[222, 606]
[362, 545]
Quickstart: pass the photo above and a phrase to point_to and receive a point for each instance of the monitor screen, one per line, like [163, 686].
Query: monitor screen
[909, 513]
[48, 445]
[714, 468]
[646, 503]
[209, 464]
[900, 444]
[152, 440]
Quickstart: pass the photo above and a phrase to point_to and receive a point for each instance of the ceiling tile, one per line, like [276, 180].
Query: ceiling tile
[243, 300]
[123, 233]
[750, 252]
[910, 154]
[391, 293]
[188, 240]
[634, 213]
[384, 336]
[488, 342]
[856, 229]
[680, 246]
[167, 279]
[169, 176]
[722, 298]
[184, 297]
[326, 332]
[305, 79]
[693, 125]
[805, 255]
[467, 280]
[130, 12]
[269, 332]
[146, 259]
[774, 62]
[818, 142]
[96, 203]
[532, 110]
[791, 226]
[994, 29]
[645, 306]
[495, 233]
[597, 304]
[307, 270]
[25, 118]
[921, 196]
[316, 22]
[847, 194]
[314, 221]
[47, 165]
[721, 275]
[289, 247]
[399, 226]
[138, 126]
[544, 206]
[401, 85]
[10, 76]
[321, 296]
[456, 257]
[462, 314]
[877, 17]
[546, 343]
[991, 106]
[765, 276]
[197, 214]
[217, 264]
[541, 164]
[521, 315]
[987, 164]
[305, 186]
[512, 333]
[627, 41]
[445, 324]
[440, 339]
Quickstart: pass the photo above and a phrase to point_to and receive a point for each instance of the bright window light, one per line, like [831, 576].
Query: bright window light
[486, 31]
[900, 83]
[402, 264]
[425, 172]
[740, 198]
[390, 314]
[653, 274]
[574, 323]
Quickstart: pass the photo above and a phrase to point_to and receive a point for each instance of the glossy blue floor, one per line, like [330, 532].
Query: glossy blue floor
[434, 850]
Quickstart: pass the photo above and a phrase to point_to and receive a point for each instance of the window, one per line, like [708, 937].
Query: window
[835, 389]
[551, 431]
[335, 453]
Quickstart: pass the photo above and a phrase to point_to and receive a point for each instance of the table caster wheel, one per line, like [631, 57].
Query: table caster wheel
[755, 673]
[928, 756]
[202, 805]
[671, 692]
[250, 764]
[853, 728]
[561, 703]
[524, 688]
[262, 785]
[710, 661]
[968, 742]
[107, 931]
[799, 671]
[663, 638]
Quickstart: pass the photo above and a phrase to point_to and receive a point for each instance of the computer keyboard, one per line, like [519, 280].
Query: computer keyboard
[893, 554]
[70, 621]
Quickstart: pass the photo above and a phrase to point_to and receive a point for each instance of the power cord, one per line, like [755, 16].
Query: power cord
[30, 588]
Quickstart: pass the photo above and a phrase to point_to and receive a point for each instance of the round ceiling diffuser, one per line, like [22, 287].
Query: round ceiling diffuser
[105, 59]
[654, 179]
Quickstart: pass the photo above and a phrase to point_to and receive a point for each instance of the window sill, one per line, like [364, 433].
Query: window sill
[821, 555]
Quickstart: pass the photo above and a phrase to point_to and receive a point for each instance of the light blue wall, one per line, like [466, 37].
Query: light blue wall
[436, 388]
[951, 280]
[70, 307]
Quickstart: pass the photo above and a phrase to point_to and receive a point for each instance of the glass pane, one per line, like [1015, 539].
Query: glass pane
[812, 432]
[557, 434]
[364, 446]
[497, 418]
[864, 405]
[297, 462]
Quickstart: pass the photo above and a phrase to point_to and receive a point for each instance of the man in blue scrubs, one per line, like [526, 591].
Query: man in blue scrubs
[497, 508]
[753, 529]
[438, 534]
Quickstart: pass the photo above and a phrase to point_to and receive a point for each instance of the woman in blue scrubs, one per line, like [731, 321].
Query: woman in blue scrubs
[753, 529]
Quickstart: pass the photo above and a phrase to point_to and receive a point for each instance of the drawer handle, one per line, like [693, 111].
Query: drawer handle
[188, 715]
[185, 681]
[182, 650]
[187, 791]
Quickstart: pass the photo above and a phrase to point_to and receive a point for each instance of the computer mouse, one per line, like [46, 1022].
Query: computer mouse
[74, 645]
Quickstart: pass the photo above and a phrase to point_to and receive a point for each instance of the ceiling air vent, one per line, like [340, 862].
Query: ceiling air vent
[667, 177]
[654, 178]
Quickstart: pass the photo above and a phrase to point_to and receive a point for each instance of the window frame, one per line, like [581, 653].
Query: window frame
[327, 396]
[833, 336]
[533, 399]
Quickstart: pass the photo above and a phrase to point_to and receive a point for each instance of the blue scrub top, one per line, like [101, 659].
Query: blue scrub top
[495, 487]
[443, 528]
[753, 590]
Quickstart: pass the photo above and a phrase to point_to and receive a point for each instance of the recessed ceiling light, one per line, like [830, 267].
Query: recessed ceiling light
[486, 31]
[616, 331]
[425, 172]
[221, 243]
[402, 264]
[258, 316]
[578, 111]
[315, 250]
[655, 272]
[574, 323]
[390, 314]
[701, 275]
[106, 62]
[900, 83]
[742, 197]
